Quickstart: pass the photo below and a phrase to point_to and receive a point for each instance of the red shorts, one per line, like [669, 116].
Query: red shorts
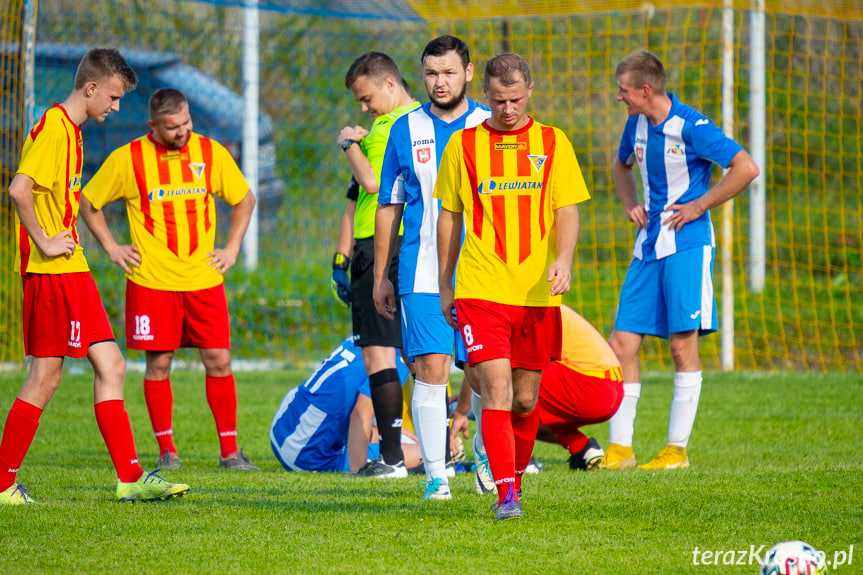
[567, 396]
[530, 337]
[63, 315]
[160, 320]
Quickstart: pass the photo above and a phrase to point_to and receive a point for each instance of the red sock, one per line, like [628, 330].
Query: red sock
[573, 442]
[18, 433]
[497, 434]
[160, 404]
[222, 397]
[116, 430]
[524, 428]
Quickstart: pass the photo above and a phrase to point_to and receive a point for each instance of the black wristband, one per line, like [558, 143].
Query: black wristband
[341, 261]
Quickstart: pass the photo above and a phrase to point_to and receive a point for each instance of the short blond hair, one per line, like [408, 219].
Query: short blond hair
[644, 68]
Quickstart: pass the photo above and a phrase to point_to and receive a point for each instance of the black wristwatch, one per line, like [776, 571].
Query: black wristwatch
[347, 143]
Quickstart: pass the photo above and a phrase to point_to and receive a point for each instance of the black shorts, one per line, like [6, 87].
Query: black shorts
[371, 328]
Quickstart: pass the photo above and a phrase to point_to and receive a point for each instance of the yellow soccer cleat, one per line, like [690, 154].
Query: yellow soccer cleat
[150, 487]
[672, 457]
[15, 495]
[618, 457]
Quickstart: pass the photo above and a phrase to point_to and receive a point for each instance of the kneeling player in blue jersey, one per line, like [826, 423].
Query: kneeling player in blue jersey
[326, 422]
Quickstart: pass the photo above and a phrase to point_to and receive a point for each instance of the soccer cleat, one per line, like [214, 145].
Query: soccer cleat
[482, 479]
[15, 495]
[457, 453]
[239, 461]
[589, 458]
[618, 457]
[533, 466]
[168, 460]
[378, 468]
[672, 457]
[509, 508]
[437, 489]
[150, 487]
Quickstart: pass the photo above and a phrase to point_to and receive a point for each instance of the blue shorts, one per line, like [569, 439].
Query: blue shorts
[670, 295]
[424, 329]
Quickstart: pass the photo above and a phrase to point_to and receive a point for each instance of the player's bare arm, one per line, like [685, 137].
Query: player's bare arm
[125, 256]
[624, 183]
[224, 259]
[21, 193]
[360, 167]
[560, 272]
[741, 170]
[387, 219]
[449, 225]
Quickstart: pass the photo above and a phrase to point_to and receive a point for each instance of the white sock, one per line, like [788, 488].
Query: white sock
[621, 426]
[428, 407]
[476, 407]
[684, 404]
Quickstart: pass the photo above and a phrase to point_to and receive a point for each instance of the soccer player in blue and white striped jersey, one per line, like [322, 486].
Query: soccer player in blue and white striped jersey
[324, 423]
[408, 176]
[668, 290]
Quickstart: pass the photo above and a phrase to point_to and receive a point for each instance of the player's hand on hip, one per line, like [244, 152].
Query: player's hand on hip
[221, 260]
[127, 257]
[385, 299]
[560, 277]
[638, 215]
[62, 244]
[681, 214]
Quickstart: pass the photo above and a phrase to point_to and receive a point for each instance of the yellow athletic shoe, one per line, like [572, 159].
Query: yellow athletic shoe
[150, 487]
[15, 495]
[618, 457]
[672, 457]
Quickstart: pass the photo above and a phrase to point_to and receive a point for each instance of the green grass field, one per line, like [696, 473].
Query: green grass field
[774, 457]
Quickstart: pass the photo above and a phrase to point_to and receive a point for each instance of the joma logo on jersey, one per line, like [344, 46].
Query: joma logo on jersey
[423, 155]
[501, 146]
[422, 143]
[676, 150]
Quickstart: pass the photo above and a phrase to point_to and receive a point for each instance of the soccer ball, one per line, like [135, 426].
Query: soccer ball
[793, 558]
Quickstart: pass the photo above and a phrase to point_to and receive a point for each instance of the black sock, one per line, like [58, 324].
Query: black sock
[387, 400]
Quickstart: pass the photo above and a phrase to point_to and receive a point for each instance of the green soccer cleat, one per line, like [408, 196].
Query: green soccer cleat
[150, 487]
[15, 495]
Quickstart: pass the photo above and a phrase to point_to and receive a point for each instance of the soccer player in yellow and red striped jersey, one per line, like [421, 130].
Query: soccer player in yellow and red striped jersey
[175, 292]
[63, 311]
[513, 185]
